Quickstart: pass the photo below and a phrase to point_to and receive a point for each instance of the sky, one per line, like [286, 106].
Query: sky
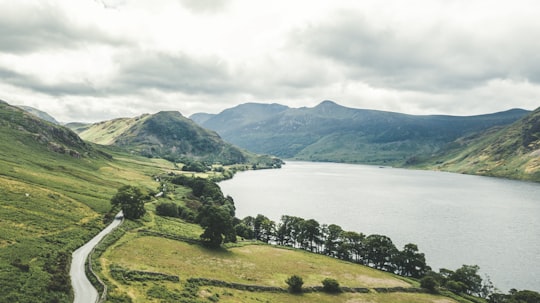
[94, 60]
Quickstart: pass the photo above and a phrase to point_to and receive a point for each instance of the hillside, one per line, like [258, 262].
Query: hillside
[54, 191]
[27, 128]
[167, 135]
[512, 151]
[330, 132]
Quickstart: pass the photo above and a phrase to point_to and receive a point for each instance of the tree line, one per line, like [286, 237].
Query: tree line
[376, 251]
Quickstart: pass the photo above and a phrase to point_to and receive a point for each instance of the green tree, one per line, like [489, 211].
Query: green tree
[468, 276]
[354, 244]
[380, 251]
[130, 200]
[332, 240]
[263, 228]
[295, 283]
[218, 225]
[242, 230]
[411, 263]
[311, 232]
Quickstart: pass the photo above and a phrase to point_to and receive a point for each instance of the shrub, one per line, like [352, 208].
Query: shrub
[295, 283]
[168, 209]
[331, 285]
[429, 283]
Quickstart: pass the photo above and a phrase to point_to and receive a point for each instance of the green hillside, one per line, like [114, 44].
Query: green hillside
[330, 132]
[54, 192]
[171, 136]
[511, 152]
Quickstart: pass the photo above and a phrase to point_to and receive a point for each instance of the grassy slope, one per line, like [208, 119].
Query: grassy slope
[51, 203]
[107, 132]
[245, 263]
[510, 152]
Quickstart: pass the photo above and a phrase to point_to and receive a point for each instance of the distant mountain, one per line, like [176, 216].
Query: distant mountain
[510, 151]
[40, 114]
[28, 131]
[168, 135]
[331, 132]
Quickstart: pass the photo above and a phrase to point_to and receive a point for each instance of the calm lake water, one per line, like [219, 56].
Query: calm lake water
[454, 219]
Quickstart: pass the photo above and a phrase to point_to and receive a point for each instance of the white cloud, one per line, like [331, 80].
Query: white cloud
[127, 57]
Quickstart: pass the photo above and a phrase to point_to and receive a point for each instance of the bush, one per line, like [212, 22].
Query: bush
[295, 283]
[168, 209]
[331, 285]
[429, 283]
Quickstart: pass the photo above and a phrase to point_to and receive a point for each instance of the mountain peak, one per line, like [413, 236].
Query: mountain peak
[327, 103]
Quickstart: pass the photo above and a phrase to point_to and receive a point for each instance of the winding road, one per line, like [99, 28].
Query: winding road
[84, 291]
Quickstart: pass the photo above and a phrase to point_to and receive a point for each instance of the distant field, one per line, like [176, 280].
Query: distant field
[251, 264]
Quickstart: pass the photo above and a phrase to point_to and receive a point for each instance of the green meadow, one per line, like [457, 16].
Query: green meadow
[166, 246]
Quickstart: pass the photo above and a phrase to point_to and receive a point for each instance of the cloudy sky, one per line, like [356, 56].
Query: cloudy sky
[92, 60]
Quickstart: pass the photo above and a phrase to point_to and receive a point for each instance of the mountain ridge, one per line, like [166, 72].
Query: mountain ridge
[511, 151]
[331, 132]
[166, 134]
[35, 130]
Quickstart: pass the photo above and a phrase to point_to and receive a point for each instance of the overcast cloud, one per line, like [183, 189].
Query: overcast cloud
[84, 60]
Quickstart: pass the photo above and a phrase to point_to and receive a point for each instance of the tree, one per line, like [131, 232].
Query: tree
[130, 200]
[331, 285]
[295, 283]
[411, 263]
[354, 242]
[264, 228]
[244, 231]
[218, 225]
[311, 234]
[380, 251]
[333, 239]
[468, 276]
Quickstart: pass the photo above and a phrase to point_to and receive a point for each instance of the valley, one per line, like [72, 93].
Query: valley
[56, 190]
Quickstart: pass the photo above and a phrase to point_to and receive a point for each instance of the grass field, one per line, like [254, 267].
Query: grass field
[245, 263]
[251, 264]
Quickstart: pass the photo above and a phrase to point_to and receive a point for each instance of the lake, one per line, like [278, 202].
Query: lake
[454, 219]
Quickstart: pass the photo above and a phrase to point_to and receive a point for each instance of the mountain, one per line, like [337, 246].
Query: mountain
[167, 135]
[23, 128]
[331, 132]
[511, 151]
[40, 114]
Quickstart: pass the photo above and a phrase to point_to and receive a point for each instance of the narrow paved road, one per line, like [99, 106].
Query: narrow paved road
[82, 288]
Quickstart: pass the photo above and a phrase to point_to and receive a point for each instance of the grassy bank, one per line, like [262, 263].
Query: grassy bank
[153, 263]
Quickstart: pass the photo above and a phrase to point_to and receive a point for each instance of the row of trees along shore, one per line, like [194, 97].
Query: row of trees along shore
[216, 214]
[376, 251]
